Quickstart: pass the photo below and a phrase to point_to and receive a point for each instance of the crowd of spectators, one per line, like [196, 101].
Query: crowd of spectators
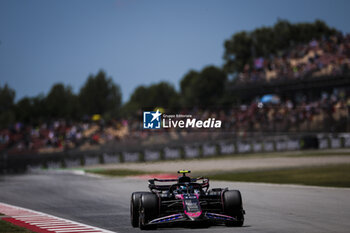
[328, 56]
[328, 114]
[58, 135]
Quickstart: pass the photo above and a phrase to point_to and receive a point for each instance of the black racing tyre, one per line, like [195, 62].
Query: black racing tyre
[233, 206]
[134, 208]
[149, 209]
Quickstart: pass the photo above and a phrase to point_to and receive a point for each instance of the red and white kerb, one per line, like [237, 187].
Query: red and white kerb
[44, 223]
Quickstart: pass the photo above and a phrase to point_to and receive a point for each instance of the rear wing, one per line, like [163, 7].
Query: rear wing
[153, 186]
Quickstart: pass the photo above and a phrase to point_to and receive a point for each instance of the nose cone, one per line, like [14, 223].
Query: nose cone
[193, 215]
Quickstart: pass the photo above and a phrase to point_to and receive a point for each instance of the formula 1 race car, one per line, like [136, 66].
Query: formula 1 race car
[186, 201]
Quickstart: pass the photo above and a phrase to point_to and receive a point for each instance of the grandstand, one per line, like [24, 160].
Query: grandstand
[307, 69]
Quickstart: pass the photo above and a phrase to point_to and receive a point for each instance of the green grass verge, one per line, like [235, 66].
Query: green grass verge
[117, 172]
[329, 176]
[332, 175]
[7, 227]
[299, 153]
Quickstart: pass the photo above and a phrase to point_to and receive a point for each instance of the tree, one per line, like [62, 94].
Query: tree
[61, 102]
[39, 111]
[187, 87]
[238, 51]
[7, 97]
[32, 110]
[161, 94]
[24, 110]
[266, 41]
[100, 95]
[204, 89]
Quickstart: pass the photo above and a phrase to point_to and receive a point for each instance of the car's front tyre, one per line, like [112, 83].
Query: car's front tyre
[149, 208]
[134, 208]
[232, 201]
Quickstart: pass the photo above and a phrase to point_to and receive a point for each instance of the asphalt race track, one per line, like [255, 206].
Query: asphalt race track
[104, 202]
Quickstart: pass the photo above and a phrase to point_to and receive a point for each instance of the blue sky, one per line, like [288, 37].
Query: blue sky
[136, 42]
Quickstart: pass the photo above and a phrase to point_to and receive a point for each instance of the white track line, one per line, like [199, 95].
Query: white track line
[46, 221]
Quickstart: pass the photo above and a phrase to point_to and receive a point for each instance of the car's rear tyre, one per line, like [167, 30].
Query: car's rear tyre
[149, 209]
[134, 208]
[232, 201]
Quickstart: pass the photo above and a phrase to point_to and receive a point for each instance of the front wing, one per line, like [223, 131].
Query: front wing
[209, 217]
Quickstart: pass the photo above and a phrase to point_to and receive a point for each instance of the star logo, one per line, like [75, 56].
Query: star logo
[155, 115]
